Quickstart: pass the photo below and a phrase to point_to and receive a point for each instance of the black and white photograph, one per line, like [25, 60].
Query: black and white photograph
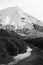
[21, 32]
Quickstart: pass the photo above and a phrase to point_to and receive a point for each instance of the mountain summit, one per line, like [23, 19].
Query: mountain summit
[13, 18]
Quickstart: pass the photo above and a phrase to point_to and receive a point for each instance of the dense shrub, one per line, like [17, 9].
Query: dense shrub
[10, 45]
[37, 42]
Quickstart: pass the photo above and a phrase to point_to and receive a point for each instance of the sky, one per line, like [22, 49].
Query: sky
[32, 7]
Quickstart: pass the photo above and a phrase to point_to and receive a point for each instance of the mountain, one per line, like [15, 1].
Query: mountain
[14, 18]
[17, 32]
[21, 21]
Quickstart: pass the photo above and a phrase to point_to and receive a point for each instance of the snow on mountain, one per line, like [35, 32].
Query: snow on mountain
[16, 19]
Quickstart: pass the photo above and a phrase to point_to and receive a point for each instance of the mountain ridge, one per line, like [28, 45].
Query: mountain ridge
[14, 19]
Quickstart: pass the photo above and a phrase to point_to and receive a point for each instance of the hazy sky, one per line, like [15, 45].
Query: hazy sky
[32, 7]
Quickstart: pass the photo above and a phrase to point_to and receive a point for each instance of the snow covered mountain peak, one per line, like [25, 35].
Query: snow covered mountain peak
[16, 19]
[14, 16]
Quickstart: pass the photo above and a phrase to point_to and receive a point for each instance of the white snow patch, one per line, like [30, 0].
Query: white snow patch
[24, 55]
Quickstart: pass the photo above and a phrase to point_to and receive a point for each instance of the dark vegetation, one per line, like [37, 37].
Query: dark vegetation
[37, 42]
[37, 45]
[12, 44]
